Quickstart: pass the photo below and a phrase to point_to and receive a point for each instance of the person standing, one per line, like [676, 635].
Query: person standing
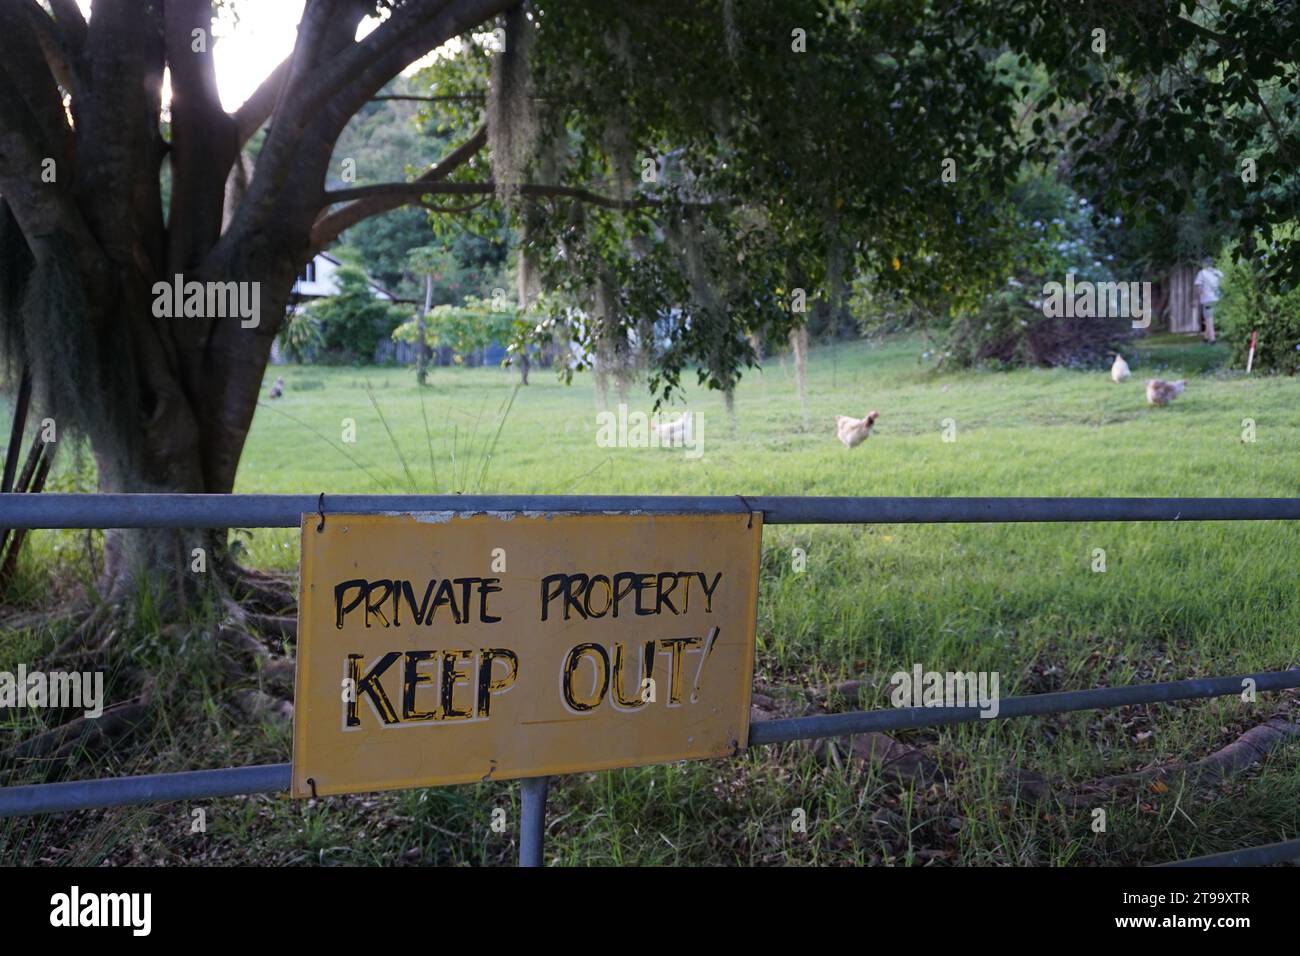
[1207, 292]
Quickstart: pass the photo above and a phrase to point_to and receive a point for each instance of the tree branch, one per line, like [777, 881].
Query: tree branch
[119, 144]
[537, 190]
[256, 110]
[330, 225]
[325, 27]
[71, 23]
[55, 46]
[1231, 45]
[431, 99]
[34, 129]
[1258, 100]
[45, 212]
[203, 137]
[452, 210]
[414, 29]
[30, 78]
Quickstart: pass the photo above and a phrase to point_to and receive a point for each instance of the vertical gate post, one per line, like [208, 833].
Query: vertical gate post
[532, 825]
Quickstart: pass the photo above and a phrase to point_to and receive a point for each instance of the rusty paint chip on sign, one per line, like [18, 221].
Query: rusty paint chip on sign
[477, 647]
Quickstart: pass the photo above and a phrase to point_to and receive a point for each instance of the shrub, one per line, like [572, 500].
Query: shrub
[1051, 233]
[353, 322]
[464, 329]
[1248, 304]
[300, 336]
[1009, 331]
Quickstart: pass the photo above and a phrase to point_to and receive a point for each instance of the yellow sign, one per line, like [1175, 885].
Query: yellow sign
[438, 649]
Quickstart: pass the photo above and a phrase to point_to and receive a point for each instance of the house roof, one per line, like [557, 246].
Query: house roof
[392, 296]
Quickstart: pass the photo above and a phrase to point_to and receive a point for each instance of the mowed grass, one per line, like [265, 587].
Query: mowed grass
[1175, 600]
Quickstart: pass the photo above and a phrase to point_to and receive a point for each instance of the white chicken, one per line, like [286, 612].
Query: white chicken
[854, 431]
[1119, 371]
[1160, 392]
[674, 433]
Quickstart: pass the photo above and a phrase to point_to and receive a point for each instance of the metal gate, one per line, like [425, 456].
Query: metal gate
[52, 511]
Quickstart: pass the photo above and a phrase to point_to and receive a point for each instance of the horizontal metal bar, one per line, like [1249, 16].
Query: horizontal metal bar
[285, 511]
[154, 788]
[200, 784]
[1250, 856]
[864, 721]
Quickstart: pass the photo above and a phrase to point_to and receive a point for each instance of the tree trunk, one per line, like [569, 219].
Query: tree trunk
[167, 400]
[528, 287]
[799, 344]
[421, 358]
[190, 416]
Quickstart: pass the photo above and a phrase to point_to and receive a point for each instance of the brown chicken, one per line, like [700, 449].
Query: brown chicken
[1160, 392]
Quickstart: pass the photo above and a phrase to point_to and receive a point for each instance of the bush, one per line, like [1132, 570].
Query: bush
[300, 336]
[1248, 304]
[1009, 331]
[353, 322]
[1050, 234]
[463, 329]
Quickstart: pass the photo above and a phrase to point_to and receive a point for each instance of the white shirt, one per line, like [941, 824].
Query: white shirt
[1207, 284]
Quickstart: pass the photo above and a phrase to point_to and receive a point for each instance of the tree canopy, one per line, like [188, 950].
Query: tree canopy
[692, 174]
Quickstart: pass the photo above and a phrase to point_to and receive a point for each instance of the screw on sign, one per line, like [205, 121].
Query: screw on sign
[613, 641]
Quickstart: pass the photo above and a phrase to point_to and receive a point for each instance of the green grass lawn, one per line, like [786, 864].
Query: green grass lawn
[1175, 601]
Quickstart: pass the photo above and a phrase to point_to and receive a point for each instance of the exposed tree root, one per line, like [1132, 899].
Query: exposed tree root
[891, 758]
[268, 625]
[258, 608]
[274, 670]
[273, 699]
[60, 742]
[258, 705]
[94, 632]
[1243, 753]
[263, 592]
[895, 759]
[247, 659]
[50, 619]
[87, 610]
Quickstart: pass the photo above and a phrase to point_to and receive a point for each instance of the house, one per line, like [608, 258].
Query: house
[318, 280]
